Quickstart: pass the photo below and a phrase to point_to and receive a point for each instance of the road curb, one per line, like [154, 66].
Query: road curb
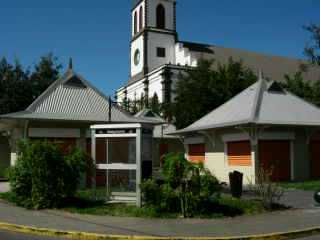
[96, 236]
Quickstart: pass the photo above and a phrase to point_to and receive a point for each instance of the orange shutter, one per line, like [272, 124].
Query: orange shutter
[239, 153]
[197, 153]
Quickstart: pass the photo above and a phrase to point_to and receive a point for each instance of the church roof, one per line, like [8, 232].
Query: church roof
[274, 67]
[263, 103]
[72, 98]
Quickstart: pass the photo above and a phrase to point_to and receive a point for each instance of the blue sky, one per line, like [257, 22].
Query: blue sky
[96, 33]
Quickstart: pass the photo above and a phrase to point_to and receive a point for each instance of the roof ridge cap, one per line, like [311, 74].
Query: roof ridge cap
[257, 99]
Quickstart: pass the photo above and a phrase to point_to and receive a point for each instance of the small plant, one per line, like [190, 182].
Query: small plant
[186, 190]
[269, 192]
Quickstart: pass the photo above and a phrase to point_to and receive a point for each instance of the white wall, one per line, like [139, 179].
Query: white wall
[135, 90]
[216, 160]
[155, 85]
[137, 44]
[156, 40]
[169, 7]
[184, 56]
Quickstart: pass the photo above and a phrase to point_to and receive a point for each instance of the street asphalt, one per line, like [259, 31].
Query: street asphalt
[6, 235]
[304, 215]
[316, 237]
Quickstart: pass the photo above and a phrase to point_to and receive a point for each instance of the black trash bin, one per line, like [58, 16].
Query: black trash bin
[236, 183]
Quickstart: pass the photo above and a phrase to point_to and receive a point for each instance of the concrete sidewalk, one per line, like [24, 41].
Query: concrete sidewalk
[291, 220]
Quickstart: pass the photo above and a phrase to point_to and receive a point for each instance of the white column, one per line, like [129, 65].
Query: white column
[138, 162]
[93, 156]
[254, 142]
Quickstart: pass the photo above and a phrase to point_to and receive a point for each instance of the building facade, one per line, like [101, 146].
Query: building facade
[157, 56]
[264, 128]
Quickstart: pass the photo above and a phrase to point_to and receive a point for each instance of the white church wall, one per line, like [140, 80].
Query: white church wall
[135, 90]
[120, 95]
[184, 56]
[156, 40]
[168, 5]
[155, 85]
[137, 45]
[137, 10]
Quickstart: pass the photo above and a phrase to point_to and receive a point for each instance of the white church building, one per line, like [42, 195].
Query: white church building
[158, 56]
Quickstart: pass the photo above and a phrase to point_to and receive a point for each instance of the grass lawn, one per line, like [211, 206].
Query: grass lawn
[83, 204]
[307, 185]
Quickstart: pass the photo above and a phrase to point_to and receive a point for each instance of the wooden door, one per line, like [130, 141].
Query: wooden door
[274, 156]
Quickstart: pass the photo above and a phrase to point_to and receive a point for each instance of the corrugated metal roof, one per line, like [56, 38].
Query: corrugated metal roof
[148, 114]
[161, 128]
[64, 101]
[262, 103]
[274, 67]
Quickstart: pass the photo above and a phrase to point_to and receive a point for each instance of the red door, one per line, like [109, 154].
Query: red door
[274, 156]
[101, 156]
[315, 159]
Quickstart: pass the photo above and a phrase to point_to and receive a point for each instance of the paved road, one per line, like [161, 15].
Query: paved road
[316, 237]
[6, 235]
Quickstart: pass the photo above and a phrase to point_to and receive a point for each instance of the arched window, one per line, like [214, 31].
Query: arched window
[161, 17]
[141, 19]
[135, 26]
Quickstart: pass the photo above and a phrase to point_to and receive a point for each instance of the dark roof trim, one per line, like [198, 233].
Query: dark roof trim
[197, 47]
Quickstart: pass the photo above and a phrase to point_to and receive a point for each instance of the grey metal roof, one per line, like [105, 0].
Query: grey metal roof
[72, 98]
[149, 115]
[262, 103]
[274, 67]
[161, 128]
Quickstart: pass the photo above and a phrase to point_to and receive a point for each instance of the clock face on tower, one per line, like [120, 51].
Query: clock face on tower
[137, 57]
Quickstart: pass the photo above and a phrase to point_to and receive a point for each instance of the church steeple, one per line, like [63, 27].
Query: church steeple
[153, 35]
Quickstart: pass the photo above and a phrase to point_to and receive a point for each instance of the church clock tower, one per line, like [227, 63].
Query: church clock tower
[153, 36]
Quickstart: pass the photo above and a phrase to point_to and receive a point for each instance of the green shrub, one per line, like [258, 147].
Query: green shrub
[43, 177]
[186, 187]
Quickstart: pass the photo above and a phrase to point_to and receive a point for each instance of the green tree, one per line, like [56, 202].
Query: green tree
[206, 87]
[19, 87]
[155, 105]
[312, 51]
[14, 86]
[45, 73]
[297, 85]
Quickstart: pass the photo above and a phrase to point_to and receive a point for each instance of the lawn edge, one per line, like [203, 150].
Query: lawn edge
[95, 236]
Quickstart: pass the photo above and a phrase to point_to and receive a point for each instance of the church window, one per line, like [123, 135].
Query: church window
[161, 17]
[161, 52]
[135, 26]
[141, 19]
